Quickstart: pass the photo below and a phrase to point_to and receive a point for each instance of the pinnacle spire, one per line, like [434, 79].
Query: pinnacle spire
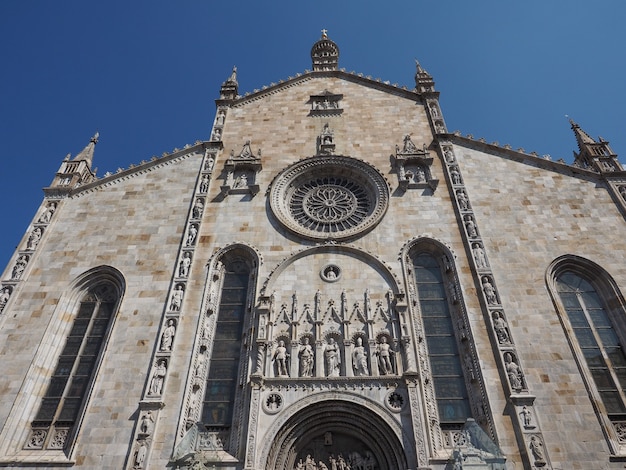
[86, 154]
[230, 87]
[423, 80]
[592, 154]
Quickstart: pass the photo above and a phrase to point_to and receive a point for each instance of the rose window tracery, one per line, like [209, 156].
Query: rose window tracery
[329, 197]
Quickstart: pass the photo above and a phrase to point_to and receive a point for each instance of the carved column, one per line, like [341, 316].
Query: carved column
[320, 370]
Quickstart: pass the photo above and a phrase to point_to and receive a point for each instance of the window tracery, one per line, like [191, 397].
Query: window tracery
[64, 399]
[591, 310]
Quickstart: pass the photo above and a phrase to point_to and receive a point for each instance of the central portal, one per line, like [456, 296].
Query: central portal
[336, 434]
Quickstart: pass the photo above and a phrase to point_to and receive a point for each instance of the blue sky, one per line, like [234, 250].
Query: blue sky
[145, 73]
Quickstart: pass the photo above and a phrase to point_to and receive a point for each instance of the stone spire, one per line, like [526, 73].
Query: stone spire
[75, 172]
[423, 80]
[325, 54]
[86, 154]
[592, 154]
[230, 87]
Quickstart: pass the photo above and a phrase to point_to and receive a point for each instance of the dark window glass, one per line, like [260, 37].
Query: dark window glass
[222, 378]
[73, 373]
[597, 339]
[447, 373]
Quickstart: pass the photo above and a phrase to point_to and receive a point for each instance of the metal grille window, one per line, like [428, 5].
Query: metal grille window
[443, 351]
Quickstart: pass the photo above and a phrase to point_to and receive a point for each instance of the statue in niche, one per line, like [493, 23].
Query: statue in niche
[241, 181]
[246, 151]
[513, 372]
[332, 356]
[490, 292]
[409, 146]
[140, 455]
[192, 233]
[455, 175]
[341, 463]
[46, 216]
[449, 155]
[208, 165]
[193, 402]
[384, 353]
[469, 367]
[420, 174]
[440, 127]
[470, 226]
[158, 377]
[359, 359]
[200, 361]
[219, 121]
[34, 239]
[500, 327]
[309, 463]
[217, 134]
[479, 256]
[183, 266]
[434, 110]
[146, 424]
[167, 337]
[327, 135]
[197, 209]
[526, 416]
[204, 184]
[20, 266]
[279, 358]
[306, 356]
[5, 295]
[536, 448]
[463, 201]
[176, 300]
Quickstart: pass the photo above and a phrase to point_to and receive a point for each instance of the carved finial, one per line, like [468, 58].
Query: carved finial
[233, 75]
[324, 35]
[95, 137]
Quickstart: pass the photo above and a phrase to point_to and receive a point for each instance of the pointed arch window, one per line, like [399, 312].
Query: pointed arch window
[221, 386]
[592, 312]
[445, 361]
[597, 340]
[57, 419]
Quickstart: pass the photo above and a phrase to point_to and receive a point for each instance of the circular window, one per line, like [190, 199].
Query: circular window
[329, 197]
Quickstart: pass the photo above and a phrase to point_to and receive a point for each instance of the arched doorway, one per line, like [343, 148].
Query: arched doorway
[336, 429]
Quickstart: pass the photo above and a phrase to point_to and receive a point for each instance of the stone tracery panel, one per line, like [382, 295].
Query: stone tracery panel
[331, 197]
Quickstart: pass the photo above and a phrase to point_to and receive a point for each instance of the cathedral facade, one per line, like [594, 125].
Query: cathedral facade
[332, 281]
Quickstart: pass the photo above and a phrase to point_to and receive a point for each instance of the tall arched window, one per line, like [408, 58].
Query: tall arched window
[592, 312]
[443, 351]
[221, 386]
[61, 407]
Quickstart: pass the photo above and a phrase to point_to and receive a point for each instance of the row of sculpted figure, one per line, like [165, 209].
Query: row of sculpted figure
[31, 245]
[333, 357]
[353, 461]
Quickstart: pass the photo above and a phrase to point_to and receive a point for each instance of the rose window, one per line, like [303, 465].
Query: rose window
[329, 197]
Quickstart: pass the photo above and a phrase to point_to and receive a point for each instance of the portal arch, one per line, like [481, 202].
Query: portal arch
[334, 426]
